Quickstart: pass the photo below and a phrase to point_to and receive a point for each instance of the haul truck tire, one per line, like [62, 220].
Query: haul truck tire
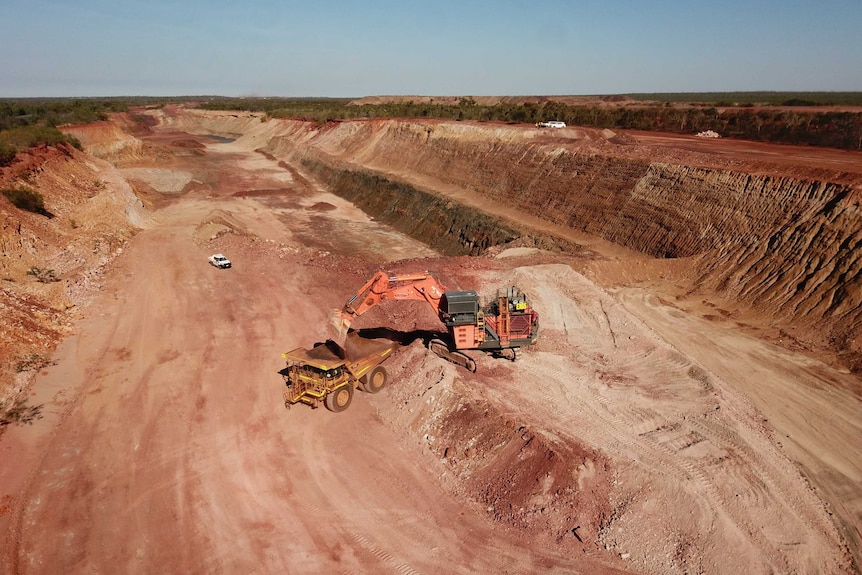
[375, 380]
[339, 398]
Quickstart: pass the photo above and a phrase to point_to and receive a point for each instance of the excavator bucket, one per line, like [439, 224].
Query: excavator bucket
[338, 327]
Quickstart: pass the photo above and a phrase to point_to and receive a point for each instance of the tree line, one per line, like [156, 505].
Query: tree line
[28, 122]
[779, 124]
[779, 117]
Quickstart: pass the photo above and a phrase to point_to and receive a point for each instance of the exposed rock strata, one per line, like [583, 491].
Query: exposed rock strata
[446, 226]
[784, 241]
[94, 212]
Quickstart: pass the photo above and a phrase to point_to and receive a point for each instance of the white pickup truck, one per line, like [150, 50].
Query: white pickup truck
[219, 261]
[552, 124]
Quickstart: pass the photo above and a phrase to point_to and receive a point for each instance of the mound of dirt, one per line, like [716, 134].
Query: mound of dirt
[192, 144]
[523, 476]
[321, 207]
[216, 224]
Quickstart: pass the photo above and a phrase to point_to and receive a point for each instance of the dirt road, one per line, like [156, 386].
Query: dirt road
[166, 447]
[171, 448]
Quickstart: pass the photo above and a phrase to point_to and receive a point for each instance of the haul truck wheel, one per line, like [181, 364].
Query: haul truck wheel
[339, 398]
[375, 380]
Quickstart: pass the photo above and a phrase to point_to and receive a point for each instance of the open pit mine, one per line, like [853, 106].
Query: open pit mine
[692, 403]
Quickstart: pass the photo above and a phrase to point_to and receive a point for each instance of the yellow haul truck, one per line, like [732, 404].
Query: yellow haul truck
[329, 373]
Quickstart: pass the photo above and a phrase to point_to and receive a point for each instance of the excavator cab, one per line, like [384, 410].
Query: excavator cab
[459, 307]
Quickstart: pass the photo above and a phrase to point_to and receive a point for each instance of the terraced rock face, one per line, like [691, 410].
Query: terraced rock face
[800, 260]
[763, 234]
[449, 227]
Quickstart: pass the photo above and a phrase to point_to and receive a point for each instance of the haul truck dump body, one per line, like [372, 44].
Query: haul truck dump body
[329, 373]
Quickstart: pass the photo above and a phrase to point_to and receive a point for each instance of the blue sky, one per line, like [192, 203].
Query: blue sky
[466, 47]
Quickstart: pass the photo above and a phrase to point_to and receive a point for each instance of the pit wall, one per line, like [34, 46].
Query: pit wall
[785, 245]
[450, 228]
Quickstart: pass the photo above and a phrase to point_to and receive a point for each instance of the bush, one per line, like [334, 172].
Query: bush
[32, 361]
[28, 200]
[43, 275]
[798, 102]
[7, 154]
[58, 111]
[19, 412]
[29, 136]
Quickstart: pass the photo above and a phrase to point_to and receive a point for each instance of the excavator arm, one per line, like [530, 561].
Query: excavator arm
[382, 287]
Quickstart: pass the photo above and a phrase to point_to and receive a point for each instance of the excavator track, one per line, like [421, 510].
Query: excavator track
[510, 353]
[440, 348]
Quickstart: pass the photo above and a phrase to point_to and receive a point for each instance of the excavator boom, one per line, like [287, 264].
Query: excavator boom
[383, 287]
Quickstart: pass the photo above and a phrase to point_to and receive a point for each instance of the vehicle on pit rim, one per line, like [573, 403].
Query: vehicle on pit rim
[551, 124]
[219, 261]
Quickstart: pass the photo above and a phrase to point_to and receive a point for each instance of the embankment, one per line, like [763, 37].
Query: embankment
[52, 263]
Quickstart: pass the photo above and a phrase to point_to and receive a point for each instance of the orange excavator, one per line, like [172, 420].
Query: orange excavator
[500, 328]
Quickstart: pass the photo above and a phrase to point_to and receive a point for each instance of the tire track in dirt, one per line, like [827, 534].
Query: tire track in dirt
[736, 464]
[381, 554]
[616, 421]
[649, 404]
[611, 428]
[379, 559]
[69, 404]
[769, 393]
[767, 470]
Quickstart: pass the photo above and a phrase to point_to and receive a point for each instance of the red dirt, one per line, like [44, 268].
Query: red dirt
[634, 437]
